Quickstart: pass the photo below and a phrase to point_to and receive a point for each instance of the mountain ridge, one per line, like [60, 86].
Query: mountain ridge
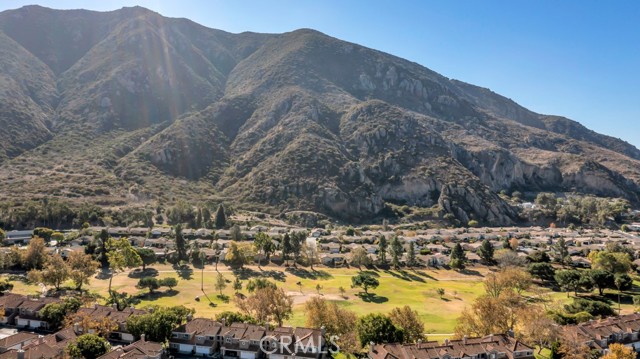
[162, 108]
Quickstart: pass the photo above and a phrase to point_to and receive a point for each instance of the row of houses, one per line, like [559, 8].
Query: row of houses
[24, 345]
[489, 347]
[599, 334]
[205, 337]
[199, 337]
[23, 311]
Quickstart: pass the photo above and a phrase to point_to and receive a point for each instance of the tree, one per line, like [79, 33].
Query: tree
[297, 239]
[562, 251]
[150, 283]
[318, 288]
[489, 314]
[235, 233]
[55, 272]
[612, 262]
[365, 281]
[181, 244]
[100, 325]
[457, 258]
[237, 285]
[121, 255]
[82, 267]
[539, 257]
[411, 255]
[396, 251]
[267, 304]
[536, 326]
[169, 282]
[382, 250]
[35, 255]
[570, 280]
[508, 258]
[147, 255]
[376, 328]
[221, 217]
[220, 283]
[601, 279]
[573, 346]
[409, 322]
[259, 283]
[473, 223]
[336, 321]
[3, 235]
[360, 257]
[229, 318]
[513, 244]
[158, 324]
[543, 271]
[264, 244]
[89, 346]
[619, 351]
[54, 314]
[239, 254]
[516, 278]
[440, 292]
[5, 286]
[486, 252]
[206, 217]
[287, 247]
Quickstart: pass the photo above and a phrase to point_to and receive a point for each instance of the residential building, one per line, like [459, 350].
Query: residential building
[489, 347]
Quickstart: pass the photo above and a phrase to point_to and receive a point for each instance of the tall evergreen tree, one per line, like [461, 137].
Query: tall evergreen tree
[486, 252]
[411, 255]
[396, 251]
[287, 248]
[382, 250]
[458, 258]
[181, 244]
[206, 218]
[221, 217]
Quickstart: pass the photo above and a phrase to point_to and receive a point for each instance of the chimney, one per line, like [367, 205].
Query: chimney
[224, 322]
[323, 330]
[464, 340]
[189, 317]
[371, 347]
[76, 328]
[20, 354]
[446, 342]
[142, 337]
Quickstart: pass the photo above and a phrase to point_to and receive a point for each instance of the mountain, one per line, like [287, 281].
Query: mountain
[129, 108]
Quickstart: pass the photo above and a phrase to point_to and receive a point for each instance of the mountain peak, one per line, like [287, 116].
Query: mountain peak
[132, 114]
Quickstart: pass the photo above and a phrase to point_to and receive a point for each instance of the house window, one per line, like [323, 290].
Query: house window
[186, 336]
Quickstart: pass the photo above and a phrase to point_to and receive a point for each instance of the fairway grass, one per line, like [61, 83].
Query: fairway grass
[415, 288]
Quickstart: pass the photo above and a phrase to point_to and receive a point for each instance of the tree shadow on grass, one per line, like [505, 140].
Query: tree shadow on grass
[245, 273]
[307, 274]
[405, 275]
[424, 274]
[185, 272]
[157, 295]
[139, 273]
[274, 274]
[372, 298]
[468, 271]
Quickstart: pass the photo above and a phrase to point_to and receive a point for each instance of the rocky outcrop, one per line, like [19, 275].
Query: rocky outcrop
[165, 109]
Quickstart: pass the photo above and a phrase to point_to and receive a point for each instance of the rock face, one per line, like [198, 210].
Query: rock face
[164, 109]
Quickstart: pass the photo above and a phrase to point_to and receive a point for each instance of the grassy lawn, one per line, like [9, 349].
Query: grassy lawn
[416, 288]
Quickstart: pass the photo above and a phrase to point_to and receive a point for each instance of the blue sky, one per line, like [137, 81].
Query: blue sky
[578, 59]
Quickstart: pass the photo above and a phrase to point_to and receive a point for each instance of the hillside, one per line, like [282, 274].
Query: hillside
[131, 108]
